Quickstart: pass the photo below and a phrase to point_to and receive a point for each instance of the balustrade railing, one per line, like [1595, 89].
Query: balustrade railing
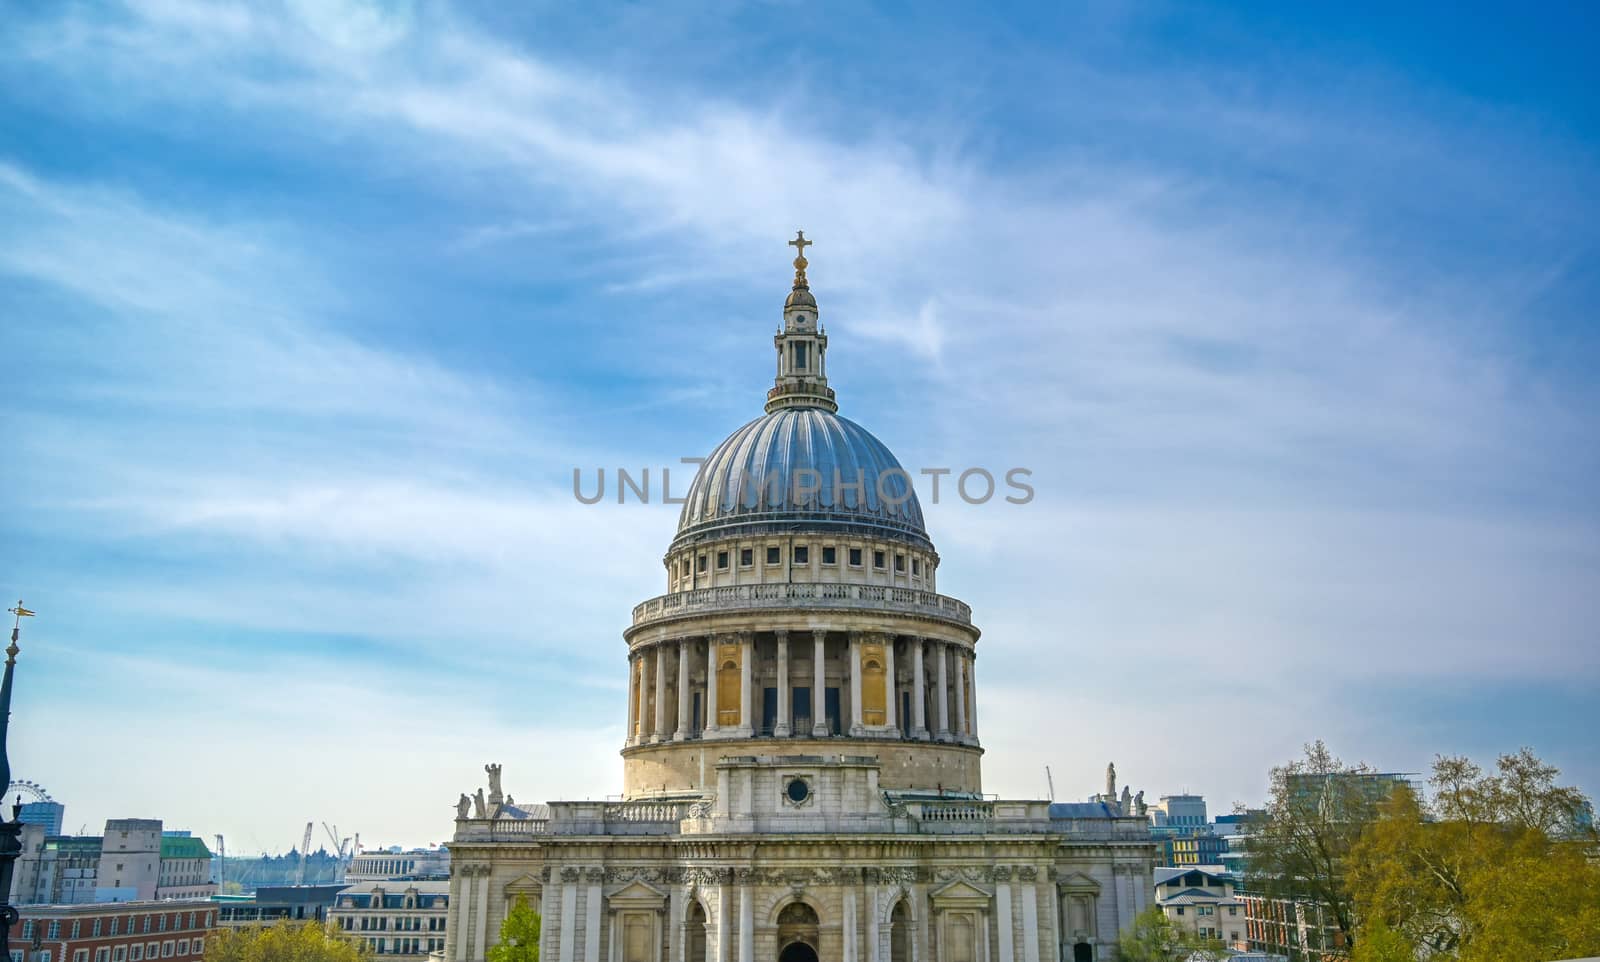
[802, 594]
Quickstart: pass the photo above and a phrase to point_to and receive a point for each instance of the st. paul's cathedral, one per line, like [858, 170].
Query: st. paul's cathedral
[802, 773]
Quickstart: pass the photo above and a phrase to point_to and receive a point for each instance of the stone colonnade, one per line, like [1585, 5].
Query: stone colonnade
[888, 686]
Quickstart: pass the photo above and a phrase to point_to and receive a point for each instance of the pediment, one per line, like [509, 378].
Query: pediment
[524, 884]
[1078, 882]
[959, 891]
[638, 894]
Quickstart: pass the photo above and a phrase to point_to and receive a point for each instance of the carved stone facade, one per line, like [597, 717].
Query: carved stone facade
[802, 767]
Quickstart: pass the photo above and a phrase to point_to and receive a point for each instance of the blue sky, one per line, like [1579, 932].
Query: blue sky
[313, 308]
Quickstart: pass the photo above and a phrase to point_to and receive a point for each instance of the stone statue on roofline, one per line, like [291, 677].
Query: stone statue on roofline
[493, 770]
[463, 805]
[479, 808]
[1111, 782]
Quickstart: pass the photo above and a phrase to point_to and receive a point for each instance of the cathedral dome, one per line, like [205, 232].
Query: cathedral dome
[756, 480]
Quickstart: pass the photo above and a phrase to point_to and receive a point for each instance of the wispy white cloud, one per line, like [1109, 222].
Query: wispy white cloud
[1251, 432]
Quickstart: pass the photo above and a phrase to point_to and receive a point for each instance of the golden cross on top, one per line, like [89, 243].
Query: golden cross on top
[800, 244]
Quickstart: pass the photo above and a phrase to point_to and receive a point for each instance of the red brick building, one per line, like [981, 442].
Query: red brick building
[167, 931]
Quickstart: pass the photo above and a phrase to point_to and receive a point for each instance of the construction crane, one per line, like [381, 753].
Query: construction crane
[305, 852]
[341, 850]
[1050, 782]
[222, 870]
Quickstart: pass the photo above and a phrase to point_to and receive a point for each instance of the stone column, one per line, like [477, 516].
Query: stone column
[480, 931]
[747, 657]
[857, 729]
[847, 925]
[633, 698]
[747, 924]
[870, 903]
[819, 683]
[943, 691]
[781, 729]
[919, 709]
[685, 696]
[569, 914]
[891, 686]
[593, 912]
[723, 911]
[961, 694]
[1030, 921]
[463, 912]
[1002, 921]
[660, 727]
[972, 686]
[711, 684]
[644, 697]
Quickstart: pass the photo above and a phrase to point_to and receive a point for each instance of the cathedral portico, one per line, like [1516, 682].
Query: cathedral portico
[801, 770]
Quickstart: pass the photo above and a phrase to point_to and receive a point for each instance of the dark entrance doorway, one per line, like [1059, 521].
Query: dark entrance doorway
[1083, 952]
[797, 933]
[797, 952]
[695, 929]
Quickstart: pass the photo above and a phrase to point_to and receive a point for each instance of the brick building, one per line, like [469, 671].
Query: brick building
[168, 931]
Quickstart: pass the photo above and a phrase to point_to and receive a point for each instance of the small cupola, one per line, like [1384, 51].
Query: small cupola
[802, 379]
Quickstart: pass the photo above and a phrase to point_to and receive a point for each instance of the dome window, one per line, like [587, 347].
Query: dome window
[830, 555]
[855, 557]
[772, 554]
[722, 561]
[900, 563]
[916, 566]
[802, 555]
[747, 557]
[701, 563]
[877, 560]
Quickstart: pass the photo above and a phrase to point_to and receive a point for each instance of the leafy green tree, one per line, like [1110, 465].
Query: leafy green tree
[1299, 849]
[1153, 938]
[519, 935]
[1498, 866]
[284, 942]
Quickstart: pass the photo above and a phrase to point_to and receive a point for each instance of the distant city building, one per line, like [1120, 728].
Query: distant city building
[41, 809]
[1179, 811]
[185, 868]
[134, 861]
[171, 931]
[273, 903]
[1201, 901]
[417, 863]
[48, 814]
[1178, 824]
[395, 918]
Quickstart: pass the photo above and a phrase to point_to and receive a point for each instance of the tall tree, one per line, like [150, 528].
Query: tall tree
[284, 942]
[1496, 866]
[519, 935]
[1300, 847]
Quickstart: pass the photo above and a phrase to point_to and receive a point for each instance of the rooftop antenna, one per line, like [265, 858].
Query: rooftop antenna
[1050, 782]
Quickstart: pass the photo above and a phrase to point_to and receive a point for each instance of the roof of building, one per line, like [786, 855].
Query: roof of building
[777, 473]
[398, 886]
[1167, 873]
[1082, 810]
[183, 846]
[116, 908]
[1197, 897]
